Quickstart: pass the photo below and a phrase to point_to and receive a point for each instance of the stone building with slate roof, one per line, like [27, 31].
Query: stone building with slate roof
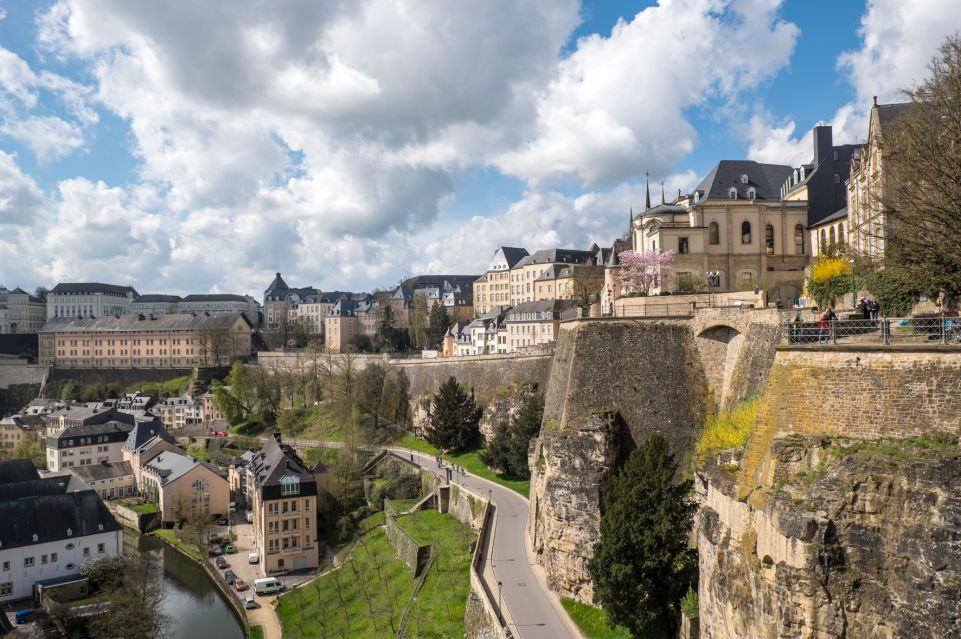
[20, 312]
[182, 486]
[867, 222]
[48, 530]
[140, 341]
[493, 287]
[278, 299]
[284, 505]
[735, 223]
[89, 299]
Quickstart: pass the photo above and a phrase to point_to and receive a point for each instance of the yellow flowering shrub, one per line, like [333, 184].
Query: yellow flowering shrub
[828, 267]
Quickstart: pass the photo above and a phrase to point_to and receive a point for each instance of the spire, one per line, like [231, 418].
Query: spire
[647, 181]
[663, 201]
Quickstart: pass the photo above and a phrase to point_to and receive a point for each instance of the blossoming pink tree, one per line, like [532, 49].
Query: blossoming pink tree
[644, 271]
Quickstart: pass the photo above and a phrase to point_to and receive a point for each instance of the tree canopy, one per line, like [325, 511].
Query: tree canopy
[507, 449]
[642, 565]
[454, 418]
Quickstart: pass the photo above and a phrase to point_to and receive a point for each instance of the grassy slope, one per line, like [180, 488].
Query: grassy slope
[593, 621]
[439, 608]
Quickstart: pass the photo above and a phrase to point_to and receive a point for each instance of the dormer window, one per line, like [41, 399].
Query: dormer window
[697, 197]
[732, 193]
[289, 485]
[751, 193]
[744, 178]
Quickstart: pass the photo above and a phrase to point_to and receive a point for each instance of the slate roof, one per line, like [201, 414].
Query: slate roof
[143, 432]
[150, 298]
[80, 288]
[53, 518]
[216, 297]
[278, 284]
[888, 113]
[423, 281]
[103, 470]
[85, 412]
[56, 485]
[765, 178]
[17, 470]
[513, 254]
[840, 214]
[131, 323]
[567, 256]
[170, 466]
[277, 459]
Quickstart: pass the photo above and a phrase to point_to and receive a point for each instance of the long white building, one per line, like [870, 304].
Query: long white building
[48, 530]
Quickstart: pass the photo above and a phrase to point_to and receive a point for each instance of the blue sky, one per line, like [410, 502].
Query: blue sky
[187, 148]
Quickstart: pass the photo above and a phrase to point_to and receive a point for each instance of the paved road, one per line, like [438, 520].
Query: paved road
[531, 609]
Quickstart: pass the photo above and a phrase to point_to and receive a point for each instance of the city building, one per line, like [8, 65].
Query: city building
[179, 412]
[284, 505]
[146, 441]
[867, 221]
[219, 303]
[522, 276]
[89, 299]
[493, 288]
[87, 445]
[183, 487]
[570, 282]
[16, 430]
[21, 312]
[278, 300]
[735, 224]
[138, 341]
[111, 480]
[48, 529]
[534, 323]
[155, 304]
[482, 333]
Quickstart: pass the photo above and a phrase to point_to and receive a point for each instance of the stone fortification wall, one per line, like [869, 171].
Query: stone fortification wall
[869, 392]
[613, 383]
[409, 551]
[20, 382]
[123, 376]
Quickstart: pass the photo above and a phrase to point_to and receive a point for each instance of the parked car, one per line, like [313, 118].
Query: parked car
[221, 563]
[26, 616]
[230, 549]
[253, 558]
[222, 521]
[249, 516]
[216, 550]
[233, 507]
[230, 577]
[249, 602]
[240, 585]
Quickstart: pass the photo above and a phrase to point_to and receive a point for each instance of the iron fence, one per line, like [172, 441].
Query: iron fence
[944, 330]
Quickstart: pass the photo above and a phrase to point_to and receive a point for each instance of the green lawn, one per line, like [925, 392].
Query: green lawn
[593, 621]
[142, 509]
[363, 599]
[404, 504]
[256, 632]
[471, 462]
[169, 535]
[438, 610]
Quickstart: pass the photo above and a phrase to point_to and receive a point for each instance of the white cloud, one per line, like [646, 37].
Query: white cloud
[898, 39]
[22, 204]
[617, 105]
[50, 138]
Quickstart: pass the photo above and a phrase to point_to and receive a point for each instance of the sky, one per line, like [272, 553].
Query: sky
[189, 147]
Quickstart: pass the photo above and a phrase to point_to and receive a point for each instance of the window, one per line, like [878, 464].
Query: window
[53, 557]
[751, 194]
[744, 178]
[746, 277]
[101, 548]
[28, 562]
[43, 559]
[835, 156]
[745, 232]
[798, 239]
[832, 234]
[824, 241]
[769, 239]
[837, 178]
[86, 551]
[6, 589]
[732, 193]
[6, 566]
[682, 246]
[841, 232]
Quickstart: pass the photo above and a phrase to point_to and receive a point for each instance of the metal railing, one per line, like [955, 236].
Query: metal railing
[921, 330]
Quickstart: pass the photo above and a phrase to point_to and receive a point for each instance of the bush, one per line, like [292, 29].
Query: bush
[689, 603]
[895, 289]
[687, 283]
[727, 429]
[830, 279]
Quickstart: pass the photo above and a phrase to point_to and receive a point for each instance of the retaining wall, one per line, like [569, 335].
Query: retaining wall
[409, 551]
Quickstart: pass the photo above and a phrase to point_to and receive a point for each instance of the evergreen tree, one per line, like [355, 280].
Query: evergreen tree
[386, 329]
[642, 566]
[437, 324]
[507, 449]
[454, 418]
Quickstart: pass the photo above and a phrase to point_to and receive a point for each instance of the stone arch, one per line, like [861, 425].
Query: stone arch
[719, 346]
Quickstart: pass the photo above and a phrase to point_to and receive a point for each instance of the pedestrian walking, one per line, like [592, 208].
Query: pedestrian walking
[823, 328]
[866, 308]
[796, 325]
[875, 310]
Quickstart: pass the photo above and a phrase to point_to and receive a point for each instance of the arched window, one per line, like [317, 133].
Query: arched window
[745, 232]
[833, 236]
[751, 194]
[744, 178]
[769, 239]
[799, 239]
[714, 233]
[824, 241]
[841, 232]
[732, 193]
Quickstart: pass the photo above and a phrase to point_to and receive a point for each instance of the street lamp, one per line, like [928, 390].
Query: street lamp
[713, 281]
[854, 291]
[500, 585]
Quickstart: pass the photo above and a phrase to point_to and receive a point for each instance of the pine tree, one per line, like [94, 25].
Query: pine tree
[642, 566]
[507, 449]
[437, 324]
[454, 418]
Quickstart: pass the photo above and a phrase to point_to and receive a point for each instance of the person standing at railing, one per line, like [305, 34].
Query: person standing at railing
[866, 308]
[875, 310]
[823, 327]
[796, 328]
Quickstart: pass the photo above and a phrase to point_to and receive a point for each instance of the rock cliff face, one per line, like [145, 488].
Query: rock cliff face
[504, 407]
[612, 384]
[854, 540]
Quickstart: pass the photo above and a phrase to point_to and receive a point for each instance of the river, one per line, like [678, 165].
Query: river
[193, 604]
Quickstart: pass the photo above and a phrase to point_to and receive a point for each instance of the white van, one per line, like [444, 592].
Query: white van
[267, 586]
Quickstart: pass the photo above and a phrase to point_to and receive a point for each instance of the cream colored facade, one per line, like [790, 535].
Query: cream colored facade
[748, 243]
[12, 433]
[183, 487]
[493, 288]
[168, 341]
[565, 282]
[827, 233]
[867, 221]
[339, 332]
[20, 312]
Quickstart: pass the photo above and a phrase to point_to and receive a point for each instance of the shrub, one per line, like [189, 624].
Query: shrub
[830, 279]
[689, 602]
[895, 289]
[727, 429]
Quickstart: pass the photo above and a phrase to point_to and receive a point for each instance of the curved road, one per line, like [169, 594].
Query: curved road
[530, 608]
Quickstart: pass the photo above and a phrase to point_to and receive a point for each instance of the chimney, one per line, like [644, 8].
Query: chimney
[875, 101]
[823, 142]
